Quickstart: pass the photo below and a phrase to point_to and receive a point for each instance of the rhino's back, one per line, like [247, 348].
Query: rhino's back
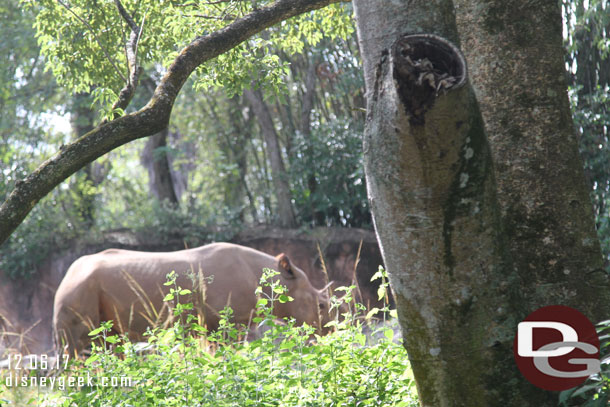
[211, 260]
[229, 272]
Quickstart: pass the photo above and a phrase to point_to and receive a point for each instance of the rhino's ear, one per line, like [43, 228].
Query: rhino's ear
[285, 265]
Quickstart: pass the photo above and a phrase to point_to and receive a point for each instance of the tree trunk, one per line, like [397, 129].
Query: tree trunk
[308, 98]
[82, 121]
[446, 238]
[234, 148]
[155, 158]
[516, 58]
[278, 173]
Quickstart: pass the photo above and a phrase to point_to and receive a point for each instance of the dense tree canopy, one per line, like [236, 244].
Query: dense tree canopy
[219, 160]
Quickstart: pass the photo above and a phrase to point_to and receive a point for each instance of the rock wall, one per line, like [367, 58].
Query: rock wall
[26, 306]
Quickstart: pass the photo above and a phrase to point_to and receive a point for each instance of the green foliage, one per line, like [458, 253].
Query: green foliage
[332, 156]
[28, 100]
[84, 41]
[222, 145]
[592, 118]
[51, 226]
[595, 392]
[217, 148]
[215, 143]
[286, 366]
[245, 67]
[588, 62]
[25, 91]
[27, 95]
[167, 222]
[258, 59]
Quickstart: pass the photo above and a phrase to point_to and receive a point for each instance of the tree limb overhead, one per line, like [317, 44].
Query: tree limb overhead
[149, 120]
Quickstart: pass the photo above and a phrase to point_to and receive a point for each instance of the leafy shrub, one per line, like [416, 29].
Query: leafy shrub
[286, 366]
[595, 392]
[56, 220]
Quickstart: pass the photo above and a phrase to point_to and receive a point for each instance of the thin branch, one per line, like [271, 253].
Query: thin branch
[86, 24]
[229, 17]
[140, 34]
[131, 53]
[125, 15]
[216, 2]
[210, 3]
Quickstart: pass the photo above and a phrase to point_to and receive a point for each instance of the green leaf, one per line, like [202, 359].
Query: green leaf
[96, 331]
[380, 273]
[91, 359]
[584, 388]
[283, 298]
[381, 292]
[112, 339]
[389, 334]
[262, 302]
[371, 313]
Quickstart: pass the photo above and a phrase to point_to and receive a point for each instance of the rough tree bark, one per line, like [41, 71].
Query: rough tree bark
[147, 121]
[274, 154]
[447, 229]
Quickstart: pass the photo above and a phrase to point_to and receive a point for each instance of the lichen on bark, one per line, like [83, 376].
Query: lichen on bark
[431, 181]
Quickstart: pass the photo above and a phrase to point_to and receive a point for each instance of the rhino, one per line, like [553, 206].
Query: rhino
[127, 287]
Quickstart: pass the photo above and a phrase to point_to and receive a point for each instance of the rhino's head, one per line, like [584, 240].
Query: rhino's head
[310, 305]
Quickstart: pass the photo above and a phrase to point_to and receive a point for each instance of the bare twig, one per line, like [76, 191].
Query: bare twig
[131, 53]
[229, 17]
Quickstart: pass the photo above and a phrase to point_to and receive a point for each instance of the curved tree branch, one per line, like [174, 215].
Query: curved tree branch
[149, 120]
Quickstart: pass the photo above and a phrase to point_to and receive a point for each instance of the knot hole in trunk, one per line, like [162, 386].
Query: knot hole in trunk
[425, 66]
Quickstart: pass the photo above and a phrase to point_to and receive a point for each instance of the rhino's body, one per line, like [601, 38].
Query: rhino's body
[127, 287]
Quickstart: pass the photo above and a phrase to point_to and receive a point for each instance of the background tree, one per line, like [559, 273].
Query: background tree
[29, 100]
[278, 170]
[82, 120]
[586, 33]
